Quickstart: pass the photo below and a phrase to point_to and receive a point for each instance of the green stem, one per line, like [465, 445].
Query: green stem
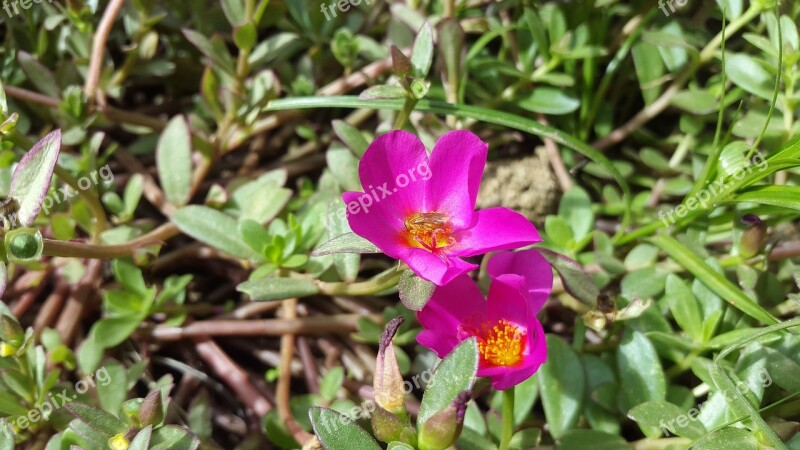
[508, 418]
[381, 282]
[81, 250]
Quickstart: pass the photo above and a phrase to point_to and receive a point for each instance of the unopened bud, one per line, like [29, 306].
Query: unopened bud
[119, 442]
[131, 410]
[752, 240]
[442, 429]
[388, 382]
[389, 428]
[151, 412]
[400, 62]
[10, 331]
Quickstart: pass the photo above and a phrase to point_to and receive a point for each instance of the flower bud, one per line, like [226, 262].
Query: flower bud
[131, 410]
[24, 244]
[388, 382]
[752, 239]
[119, 442]
[442, 429]
[389, 428]
[400, 62]
[151, 412]
[10, 331]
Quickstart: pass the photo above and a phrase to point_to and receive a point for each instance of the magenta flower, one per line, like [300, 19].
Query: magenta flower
[421, 209]
[510, 338]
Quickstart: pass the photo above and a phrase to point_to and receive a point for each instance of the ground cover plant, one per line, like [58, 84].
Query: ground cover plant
[419, 224]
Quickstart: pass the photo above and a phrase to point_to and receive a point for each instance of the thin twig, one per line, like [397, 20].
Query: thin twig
[553, 155]
[336, 324]
[98, 51]
[283, 392]
[88, 286]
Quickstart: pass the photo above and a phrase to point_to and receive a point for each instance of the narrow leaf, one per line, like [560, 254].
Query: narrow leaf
[346, 243]
[561, 386]
[337, 432]
[455, 374]
[213, 228]
[414, 291]
[278, 288]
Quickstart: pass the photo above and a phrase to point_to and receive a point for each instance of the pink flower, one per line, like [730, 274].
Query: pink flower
[421, 209]
[510, 339]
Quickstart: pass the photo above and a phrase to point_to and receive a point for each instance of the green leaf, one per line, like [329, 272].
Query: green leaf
[640, 370]
[746, 73]
[561, 386]
[380, 92]
[6, 432]
[97, 419]
[576, 208]
[455, 374]
[234, 11]
[337, 432]
[278, 288]
[716, 282]
[344, 167]
[173, 437]
[129, 276]
[665, 415]
[142, 439]
[346, 264]
[215, 52]
[781, 196]
[728, 438]
[525, 439]
[346, 243]
[351, 137]
[422, 55]
[40, 76]
[595, 440]
[414, 291]
[174, 161]
[684, 307]
[331, 383]
[548, 100]
[112, 332]
[32, 176]
[649, 68]
[213, 228]
[245, 36]
[575, 280]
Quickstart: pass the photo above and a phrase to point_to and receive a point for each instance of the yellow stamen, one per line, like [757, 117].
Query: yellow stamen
[501, 344]
[429, 230]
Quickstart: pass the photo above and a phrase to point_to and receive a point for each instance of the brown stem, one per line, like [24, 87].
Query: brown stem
[98, 50]
[234, 376]
[283, 392]
[337, 324]
[81, 294]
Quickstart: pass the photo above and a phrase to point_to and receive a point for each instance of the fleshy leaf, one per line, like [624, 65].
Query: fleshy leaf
[32, 176]
[337, 432]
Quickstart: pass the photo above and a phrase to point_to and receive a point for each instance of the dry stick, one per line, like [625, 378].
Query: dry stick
[785, 251]
[283, 392]
[111, 113]
[51, 306]
[98, 51]
[336, 324]
[234, 376]
[311, 372]
[71, 314]
[564, 180]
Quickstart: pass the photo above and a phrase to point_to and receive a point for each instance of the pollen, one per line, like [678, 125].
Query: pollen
[501, 344]
[430, 231]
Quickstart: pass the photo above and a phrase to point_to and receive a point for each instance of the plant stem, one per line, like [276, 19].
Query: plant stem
[508, 418]
[378, 283]
[81, 250]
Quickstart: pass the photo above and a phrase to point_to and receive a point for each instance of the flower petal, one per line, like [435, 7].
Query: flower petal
[440, 343]
[436, 269]
[495, 229]
[506, 302]
[390, 171]
[451, 305]
[533, 276]
[457, 164]
[377, 224]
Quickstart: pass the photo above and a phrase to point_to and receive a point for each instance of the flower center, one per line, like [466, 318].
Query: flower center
[429, 230]
[501, 344]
